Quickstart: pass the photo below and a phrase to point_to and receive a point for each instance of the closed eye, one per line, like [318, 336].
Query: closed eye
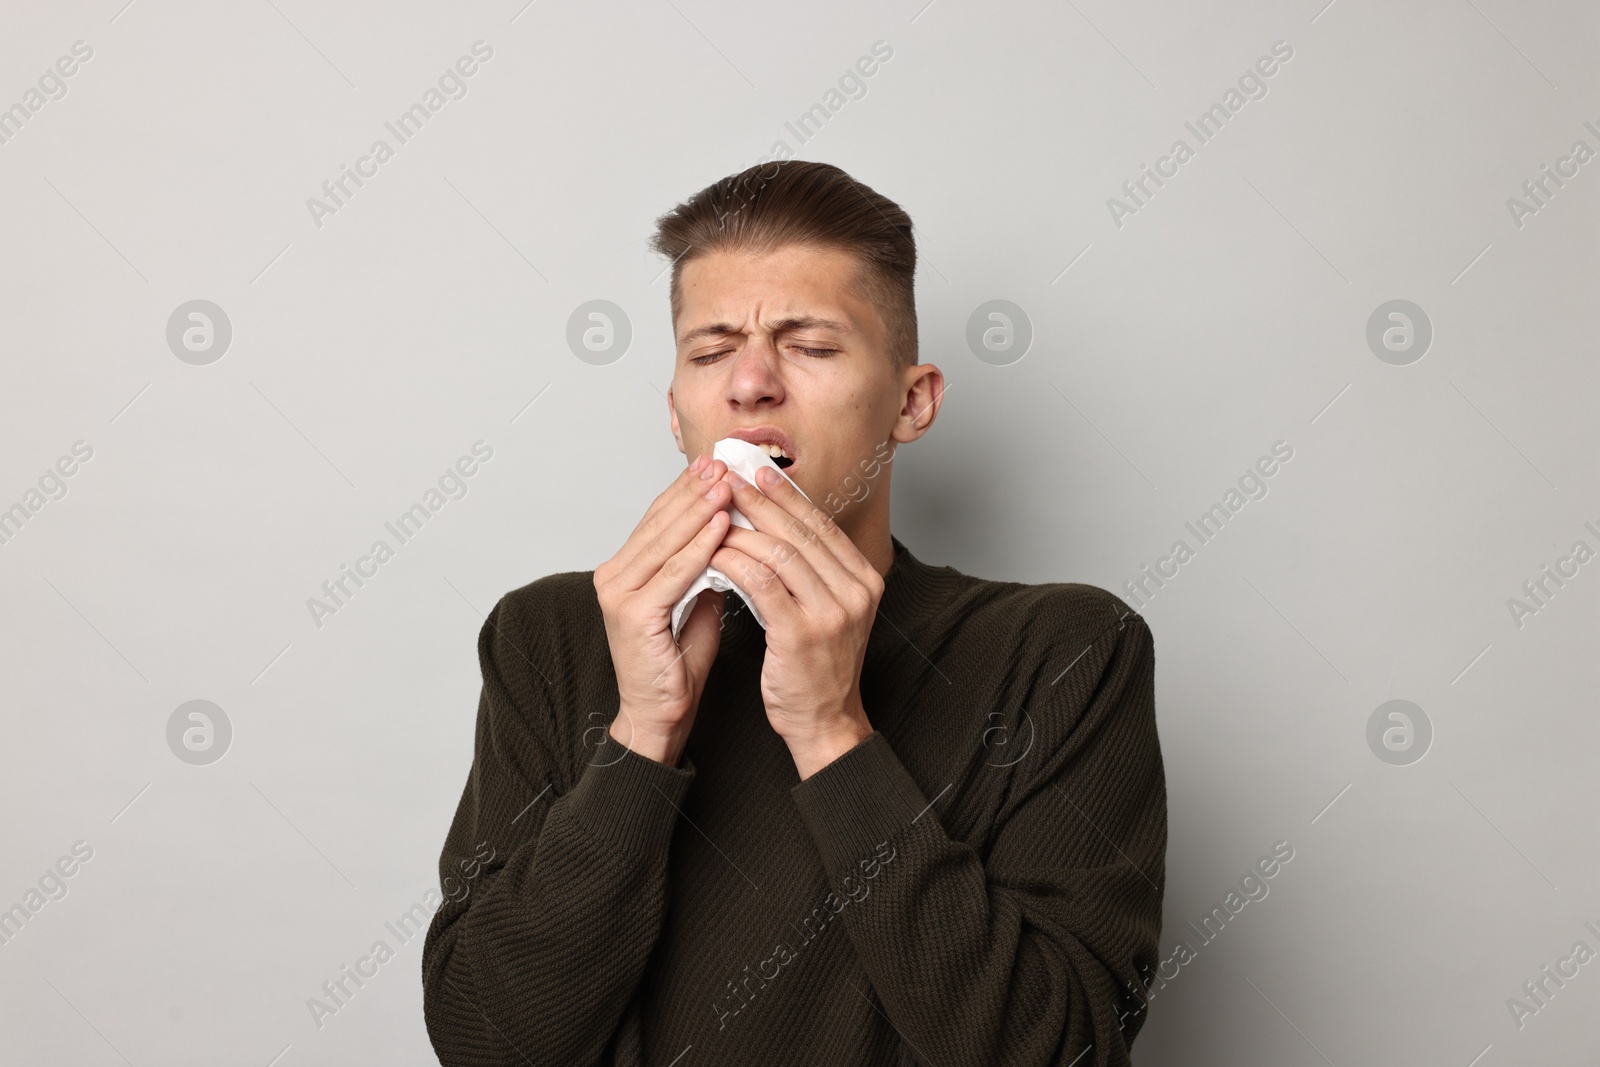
[818, 352]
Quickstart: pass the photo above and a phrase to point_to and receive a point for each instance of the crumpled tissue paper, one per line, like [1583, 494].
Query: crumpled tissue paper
[743, 458]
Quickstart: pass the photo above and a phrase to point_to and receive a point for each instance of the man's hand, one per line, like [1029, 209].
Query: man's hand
[659, 682]
[819, 596]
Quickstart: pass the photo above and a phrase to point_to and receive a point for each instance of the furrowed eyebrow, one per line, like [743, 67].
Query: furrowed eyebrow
[806, 322]
[713, 329]
[797, 322]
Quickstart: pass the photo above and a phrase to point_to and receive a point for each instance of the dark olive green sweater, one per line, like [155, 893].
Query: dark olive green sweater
[977, 883]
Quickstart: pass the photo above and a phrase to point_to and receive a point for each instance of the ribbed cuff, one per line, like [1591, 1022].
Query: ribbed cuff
[858, 801]
[629, 801]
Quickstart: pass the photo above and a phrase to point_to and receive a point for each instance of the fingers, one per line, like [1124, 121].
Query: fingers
[684, 509]
[782, 510]
[771, 558]
[762, 581]
[672, 577]
[684, 481]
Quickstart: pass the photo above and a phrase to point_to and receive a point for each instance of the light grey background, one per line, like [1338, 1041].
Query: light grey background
[1169, 353]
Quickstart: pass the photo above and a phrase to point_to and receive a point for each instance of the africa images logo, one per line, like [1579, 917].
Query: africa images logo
[452, 85]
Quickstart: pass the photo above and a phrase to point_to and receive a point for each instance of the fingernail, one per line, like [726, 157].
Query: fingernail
[698, 461]
[767, 477]
[735, 479]
[707, 472]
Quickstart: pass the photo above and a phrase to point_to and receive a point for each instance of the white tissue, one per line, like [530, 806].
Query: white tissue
[743, 458]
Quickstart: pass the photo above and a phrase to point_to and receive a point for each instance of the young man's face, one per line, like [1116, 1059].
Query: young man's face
[776, 348]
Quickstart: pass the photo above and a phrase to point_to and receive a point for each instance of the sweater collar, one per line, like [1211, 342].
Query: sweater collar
[913, 594]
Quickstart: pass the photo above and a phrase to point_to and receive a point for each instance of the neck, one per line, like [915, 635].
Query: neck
[870, 534]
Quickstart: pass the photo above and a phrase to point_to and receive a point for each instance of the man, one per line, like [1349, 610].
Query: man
[918, 818]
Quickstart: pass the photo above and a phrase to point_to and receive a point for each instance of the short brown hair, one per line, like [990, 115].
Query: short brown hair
[795, 201]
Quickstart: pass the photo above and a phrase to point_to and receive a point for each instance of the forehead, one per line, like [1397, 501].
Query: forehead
[792, 281]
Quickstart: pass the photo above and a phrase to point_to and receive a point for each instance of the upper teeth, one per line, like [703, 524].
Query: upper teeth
[774, 451]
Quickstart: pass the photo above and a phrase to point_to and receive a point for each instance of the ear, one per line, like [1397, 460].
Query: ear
[924, 393]
[677, 434]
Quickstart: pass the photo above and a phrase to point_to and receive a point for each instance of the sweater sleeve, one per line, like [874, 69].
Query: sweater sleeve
[554, 897]
[1029, 954]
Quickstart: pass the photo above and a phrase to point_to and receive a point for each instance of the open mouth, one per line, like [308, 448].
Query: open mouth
[779, 456]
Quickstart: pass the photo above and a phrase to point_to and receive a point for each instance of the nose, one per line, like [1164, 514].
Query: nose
[756, 377]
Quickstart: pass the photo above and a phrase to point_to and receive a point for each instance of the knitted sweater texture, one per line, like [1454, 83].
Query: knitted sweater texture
[977, 883]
